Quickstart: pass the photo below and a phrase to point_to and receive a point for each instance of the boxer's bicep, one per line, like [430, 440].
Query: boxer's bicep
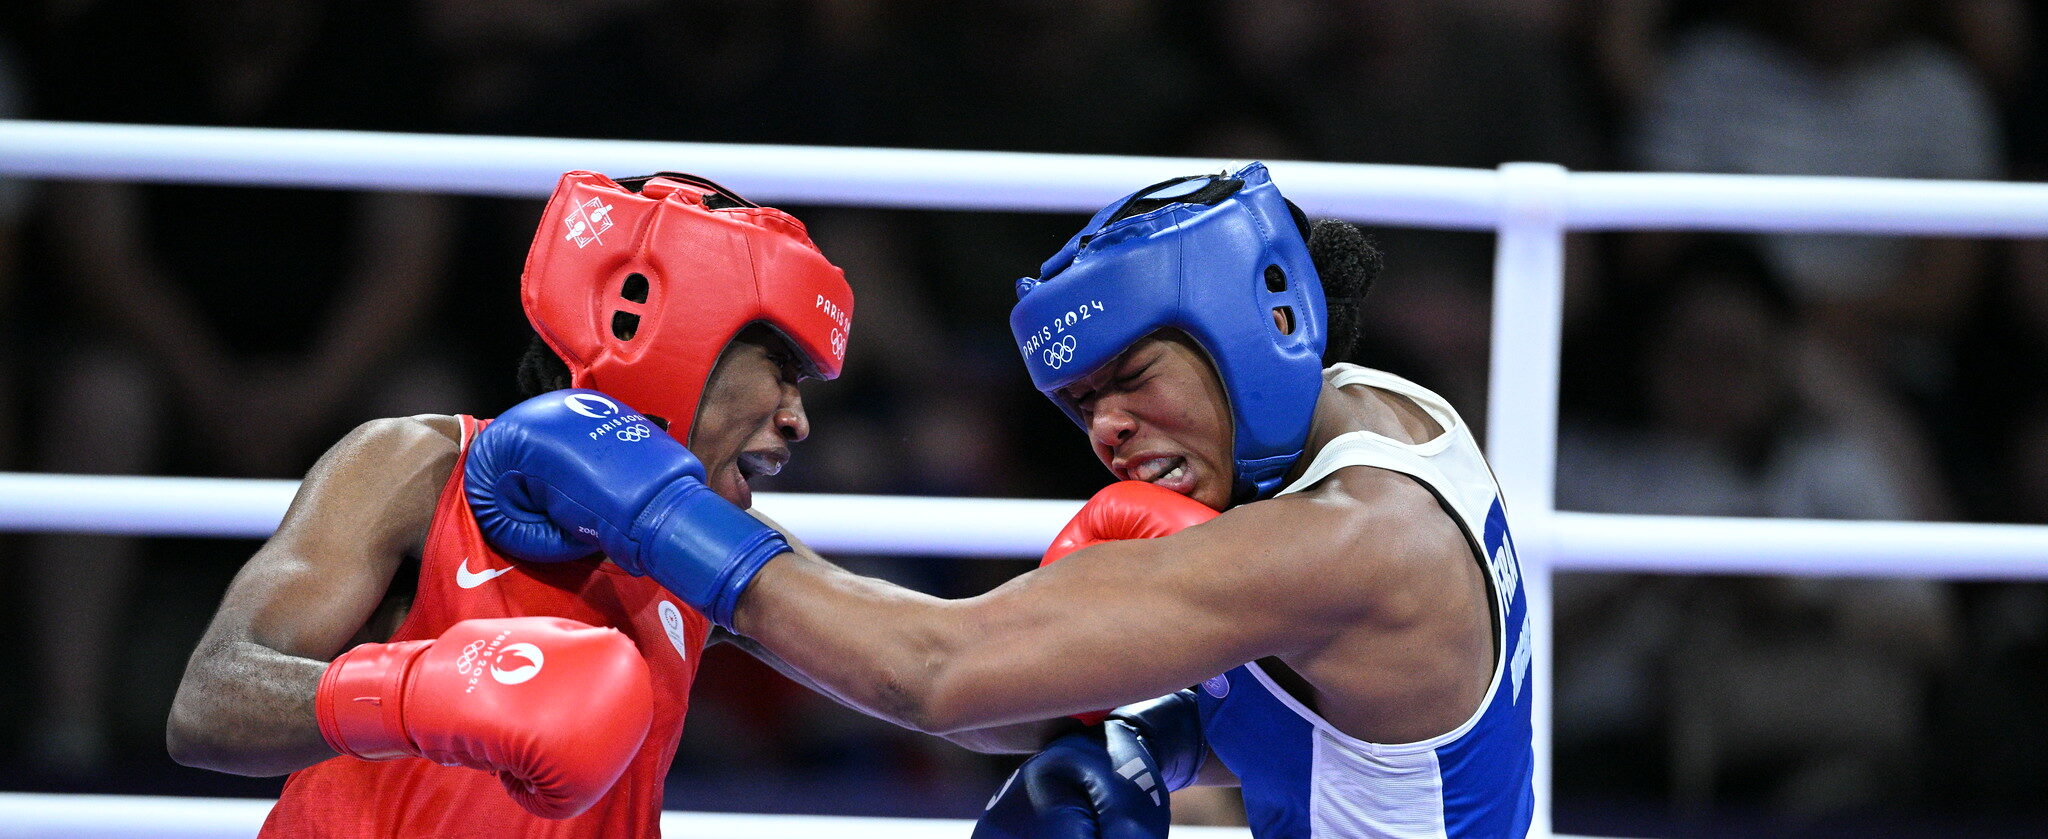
[244, 704]
[359, 511]
[1126, 621]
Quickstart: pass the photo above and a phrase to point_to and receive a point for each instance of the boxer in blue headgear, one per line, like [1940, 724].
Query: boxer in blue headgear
[1222, 258]
[1308, 558]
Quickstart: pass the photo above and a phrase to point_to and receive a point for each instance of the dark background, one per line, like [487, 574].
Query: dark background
[186, 330]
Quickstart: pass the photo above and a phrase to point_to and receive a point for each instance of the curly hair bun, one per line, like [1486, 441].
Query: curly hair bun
[1348, 260]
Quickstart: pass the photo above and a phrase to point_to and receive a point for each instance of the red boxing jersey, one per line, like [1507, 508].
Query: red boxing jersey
[461, 577]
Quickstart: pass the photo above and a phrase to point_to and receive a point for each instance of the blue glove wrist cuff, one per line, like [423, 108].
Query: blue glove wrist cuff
[747, 560]
[701, 548]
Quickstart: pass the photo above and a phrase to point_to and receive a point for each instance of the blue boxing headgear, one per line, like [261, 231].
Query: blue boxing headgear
[1213, 256]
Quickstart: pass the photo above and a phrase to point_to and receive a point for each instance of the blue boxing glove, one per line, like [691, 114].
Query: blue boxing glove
[572, 472]
[1109, 782]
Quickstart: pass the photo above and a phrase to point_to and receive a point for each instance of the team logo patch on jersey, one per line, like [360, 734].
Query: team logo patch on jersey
[672, 624]
[1217, 686]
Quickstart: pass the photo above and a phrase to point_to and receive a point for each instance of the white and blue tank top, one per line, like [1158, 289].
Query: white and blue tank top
[1304, 779]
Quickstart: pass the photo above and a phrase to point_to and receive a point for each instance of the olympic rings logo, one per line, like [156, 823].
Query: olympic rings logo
[1057, 355]
[634, 433]
[467, 660]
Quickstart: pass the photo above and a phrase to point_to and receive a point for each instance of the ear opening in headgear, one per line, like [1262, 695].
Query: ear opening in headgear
[625, 325]
[1276, 279]
[634, 288]
[1283, 317]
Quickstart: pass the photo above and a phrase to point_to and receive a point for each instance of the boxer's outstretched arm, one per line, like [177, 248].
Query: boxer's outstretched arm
[1015, 738]
[1018, 738]
[1113, 624]
[246, 702]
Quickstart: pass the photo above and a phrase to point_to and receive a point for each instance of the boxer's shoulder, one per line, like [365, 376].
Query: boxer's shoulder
[1359, 533]
[404, 440]
[419, 429]
[1359, 498]
[1393, 510]
[388, 471]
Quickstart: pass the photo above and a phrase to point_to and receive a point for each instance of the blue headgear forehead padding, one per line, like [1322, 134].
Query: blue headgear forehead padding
[1213, 256]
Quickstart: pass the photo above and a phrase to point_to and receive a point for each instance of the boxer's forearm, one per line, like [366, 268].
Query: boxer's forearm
[1018, 738]
[874, 645]
[879, 663]
[765, 656]
[1045, 645]
[246, 709]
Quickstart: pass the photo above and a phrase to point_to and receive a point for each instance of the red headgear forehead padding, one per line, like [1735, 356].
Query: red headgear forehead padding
[640, 285]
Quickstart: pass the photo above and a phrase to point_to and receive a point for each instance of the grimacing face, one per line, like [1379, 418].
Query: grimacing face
[1158, 413]
[750, 413]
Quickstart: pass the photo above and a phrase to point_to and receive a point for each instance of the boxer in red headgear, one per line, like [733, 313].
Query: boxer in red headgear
[646, 323]
[480, 697]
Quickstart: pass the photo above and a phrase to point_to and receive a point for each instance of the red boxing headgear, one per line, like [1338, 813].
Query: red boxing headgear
[640, 284]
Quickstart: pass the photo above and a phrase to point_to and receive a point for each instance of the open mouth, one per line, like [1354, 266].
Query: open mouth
[1159, 470]
[761, 464]
[1166, 471]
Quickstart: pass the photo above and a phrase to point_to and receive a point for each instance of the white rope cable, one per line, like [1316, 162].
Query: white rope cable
[1020, 528]
[868, 177]
[63, 816]
[231, 507]
[1421, 196]
[1800, 547]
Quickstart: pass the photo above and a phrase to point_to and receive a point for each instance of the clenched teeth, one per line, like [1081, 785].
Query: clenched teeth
[1159, 469]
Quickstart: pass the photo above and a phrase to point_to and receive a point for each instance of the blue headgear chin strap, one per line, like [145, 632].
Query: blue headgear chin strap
[1213, 256]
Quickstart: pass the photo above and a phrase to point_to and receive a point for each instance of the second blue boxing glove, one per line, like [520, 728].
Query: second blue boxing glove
[1106, 782]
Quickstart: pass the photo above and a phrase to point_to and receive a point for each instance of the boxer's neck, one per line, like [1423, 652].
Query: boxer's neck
[1341, 411]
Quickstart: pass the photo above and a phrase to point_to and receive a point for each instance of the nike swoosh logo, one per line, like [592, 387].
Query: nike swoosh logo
[471, 579]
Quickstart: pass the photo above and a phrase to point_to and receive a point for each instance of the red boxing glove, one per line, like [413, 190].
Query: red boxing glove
[1125, 510]
[556, 708]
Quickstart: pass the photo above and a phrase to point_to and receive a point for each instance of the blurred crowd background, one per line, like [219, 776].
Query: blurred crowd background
[194, 330]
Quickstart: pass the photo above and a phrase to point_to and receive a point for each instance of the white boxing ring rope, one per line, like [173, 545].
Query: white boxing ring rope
[1019, 528]
[33, 816]
[1531, 206]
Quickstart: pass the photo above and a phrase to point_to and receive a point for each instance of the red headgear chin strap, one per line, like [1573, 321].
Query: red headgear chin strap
[639, 286]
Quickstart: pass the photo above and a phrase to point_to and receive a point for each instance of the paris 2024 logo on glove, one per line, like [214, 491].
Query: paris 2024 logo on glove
[508, 664]
[630, 428]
